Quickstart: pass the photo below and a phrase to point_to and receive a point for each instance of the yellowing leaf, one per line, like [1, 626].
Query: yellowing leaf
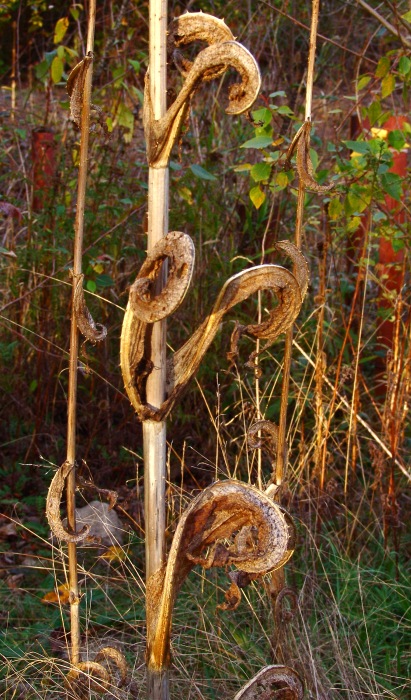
[335, 209]
[257, 197]
[186, 194]
[62, 595]
[114, 553]
[60, 29]
[57, 69]
[99, 268]
[387, 85]
[281, 180]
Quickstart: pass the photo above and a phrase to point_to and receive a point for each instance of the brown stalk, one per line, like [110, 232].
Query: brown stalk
[305, 173]
[74, 348]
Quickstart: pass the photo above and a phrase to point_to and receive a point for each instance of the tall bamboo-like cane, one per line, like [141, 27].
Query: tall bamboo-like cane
[154, 432]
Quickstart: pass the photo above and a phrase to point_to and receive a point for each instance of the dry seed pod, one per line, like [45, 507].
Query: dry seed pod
[271, 679]
[53, 502]
[304, 165]
[191, 27]
[75, 87]
[94, 332]
[86, 676]
[110, 654]
[135, 336]
[267, 440]
[232, 523]
[211, 62]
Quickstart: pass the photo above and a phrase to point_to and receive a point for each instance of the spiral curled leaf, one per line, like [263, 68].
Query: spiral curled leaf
[211, 62]
[135, 338]
[270, 680]
[191, 27]
[94, 332]
[94, 676]
[53, 503]
[86, 676]
[178, 249]
[227, 523]
[263, 435]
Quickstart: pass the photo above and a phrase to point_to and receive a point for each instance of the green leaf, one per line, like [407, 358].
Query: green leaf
[397, 243]
[262, 115]
[387, 85]
[91, 286]
[374, 112]
[257, 197]
[200, 172]
[125, 118]
[258, 142]
[41, 69]
[285, 109]
[404, 65]
[407, 16]
[33, 386]
[104, 280]
[135, 64]
[60, 29]
[383, 67]
[396, 139]
[392, 185]
[260, 172]
[362, 147]
[363, 82]
[57, 69]
[357, 199]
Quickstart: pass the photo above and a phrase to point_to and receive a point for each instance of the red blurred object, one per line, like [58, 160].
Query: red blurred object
[43, 153]
[390, 266]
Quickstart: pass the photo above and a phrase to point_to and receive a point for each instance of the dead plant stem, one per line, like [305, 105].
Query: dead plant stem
[74, 346]
[154, 433]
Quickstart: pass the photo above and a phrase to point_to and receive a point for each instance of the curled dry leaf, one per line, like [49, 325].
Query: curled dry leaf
[263, 435]
[178, 249]
[304, 165]
[212, 61]
[93, 675]
[95, 332]
[282, 612]
[271, 679]
[135, 337]
[87, 676]
[300, 266]
[110, 654]
[75, 87]
[191, 27]
[227, 523]
[53, 502]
